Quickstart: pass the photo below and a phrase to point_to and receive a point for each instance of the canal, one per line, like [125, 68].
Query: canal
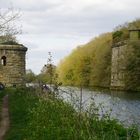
[123, 106]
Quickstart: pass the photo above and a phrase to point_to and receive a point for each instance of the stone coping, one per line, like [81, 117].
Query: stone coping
[134, 29]
[125, 42]
[121, 43]
[19, 47]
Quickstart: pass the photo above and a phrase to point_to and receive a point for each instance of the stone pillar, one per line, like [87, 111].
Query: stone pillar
[117, 68]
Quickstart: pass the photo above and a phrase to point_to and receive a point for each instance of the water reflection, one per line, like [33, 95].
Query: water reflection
[125, 106]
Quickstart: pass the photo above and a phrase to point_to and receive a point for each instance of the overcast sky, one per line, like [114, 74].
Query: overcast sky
[58, 26]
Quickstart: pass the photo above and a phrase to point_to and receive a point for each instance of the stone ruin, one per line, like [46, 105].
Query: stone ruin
[118, 51]
[12, 65]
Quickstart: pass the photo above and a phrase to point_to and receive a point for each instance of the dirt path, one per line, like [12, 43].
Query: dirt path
[4, 124]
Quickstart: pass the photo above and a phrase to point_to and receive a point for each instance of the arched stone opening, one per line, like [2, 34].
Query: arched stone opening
[3, 60]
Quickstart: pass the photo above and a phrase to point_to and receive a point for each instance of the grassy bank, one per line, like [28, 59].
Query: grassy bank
[36, 118]
[2, 93]
[20, 101]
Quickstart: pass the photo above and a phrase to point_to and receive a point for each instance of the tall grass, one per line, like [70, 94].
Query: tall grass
[20, 101]
[2, 93]
[47, 118]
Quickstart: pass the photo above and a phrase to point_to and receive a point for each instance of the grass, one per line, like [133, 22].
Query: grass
[36, 118]
[2, 93]
[20, 102]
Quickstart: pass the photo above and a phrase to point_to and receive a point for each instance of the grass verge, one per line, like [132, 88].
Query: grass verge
[2, 93]
[35, 118]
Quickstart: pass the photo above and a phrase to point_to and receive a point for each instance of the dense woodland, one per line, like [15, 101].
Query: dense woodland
[90, 64]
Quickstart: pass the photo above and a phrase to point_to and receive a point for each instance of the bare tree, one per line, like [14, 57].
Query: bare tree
[8, 26]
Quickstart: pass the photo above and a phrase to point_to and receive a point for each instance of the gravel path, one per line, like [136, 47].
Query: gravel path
[4, 124]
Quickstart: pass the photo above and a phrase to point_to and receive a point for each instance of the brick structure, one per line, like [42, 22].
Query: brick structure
[12, 65]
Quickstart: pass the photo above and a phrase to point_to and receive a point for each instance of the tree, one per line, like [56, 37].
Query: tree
[8, 28]
[131, 63]
[88, 65]
[30, 76]
[48, 71]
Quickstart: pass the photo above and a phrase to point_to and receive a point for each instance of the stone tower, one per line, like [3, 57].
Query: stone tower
[117, 68]
[12, 65]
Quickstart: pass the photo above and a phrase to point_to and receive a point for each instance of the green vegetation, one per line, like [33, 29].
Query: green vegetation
[2, 93]
[90, 64]
[37, 118]
[30, 77]
[121, 32]
[47, 74]
[132, 64]
[20, 102]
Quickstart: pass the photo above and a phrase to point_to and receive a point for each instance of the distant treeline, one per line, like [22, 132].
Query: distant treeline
[90, 64]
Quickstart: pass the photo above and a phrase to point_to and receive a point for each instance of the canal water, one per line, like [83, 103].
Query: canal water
[123, 106]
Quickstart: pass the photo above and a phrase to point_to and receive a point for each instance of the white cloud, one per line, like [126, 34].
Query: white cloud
[61, 25]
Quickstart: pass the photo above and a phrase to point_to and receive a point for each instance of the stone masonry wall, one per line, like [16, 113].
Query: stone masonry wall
[117, 69]
[119, 49]
[13, 72]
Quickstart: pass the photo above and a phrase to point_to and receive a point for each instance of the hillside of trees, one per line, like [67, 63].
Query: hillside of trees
[90, 64]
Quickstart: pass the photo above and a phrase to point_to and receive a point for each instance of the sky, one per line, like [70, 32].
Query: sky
[59, 26]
